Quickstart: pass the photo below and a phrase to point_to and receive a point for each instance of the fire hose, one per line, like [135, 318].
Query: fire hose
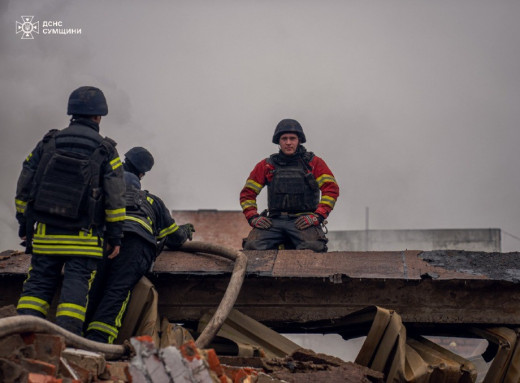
[29, 323]
[233, 289]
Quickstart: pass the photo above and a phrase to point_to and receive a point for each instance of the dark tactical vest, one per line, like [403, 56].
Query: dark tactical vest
[293, 188]
[66, 191]
[138, 206]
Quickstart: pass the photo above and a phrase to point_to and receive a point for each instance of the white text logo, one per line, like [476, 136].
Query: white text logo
[48, 27]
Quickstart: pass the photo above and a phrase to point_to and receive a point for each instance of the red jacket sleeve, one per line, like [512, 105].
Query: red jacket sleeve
[254, 185]
[328, 186]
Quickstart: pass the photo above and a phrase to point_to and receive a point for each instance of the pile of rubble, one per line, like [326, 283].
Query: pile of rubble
[44, 358]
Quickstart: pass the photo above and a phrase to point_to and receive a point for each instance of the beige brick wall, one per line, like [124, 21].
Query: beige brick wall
[222, 227]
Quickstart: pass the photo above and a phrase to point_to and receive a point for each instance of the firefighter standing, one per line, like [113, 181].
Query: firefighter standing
[71, 189]
[301, 192]
[147, 226]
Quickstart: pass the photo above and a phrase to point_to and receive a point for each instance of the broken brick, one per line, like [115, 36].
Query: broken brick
[117, 372]
[48, 347]
[38, 366]
[214, 365]
[40, 378]
[241, 374]
[196, 362]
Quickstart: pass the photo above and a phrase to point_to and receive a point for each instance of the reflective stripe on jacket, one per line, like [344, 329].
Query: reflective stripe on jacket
[53, 241]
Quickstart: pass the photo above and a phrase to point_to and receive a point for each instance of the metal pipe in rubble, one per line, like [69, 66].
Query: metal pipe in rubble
[29, 323]
[232, 291]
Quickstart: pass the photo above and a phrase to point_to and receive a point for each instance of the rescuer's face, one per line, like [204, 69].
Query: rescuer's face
[289, 143]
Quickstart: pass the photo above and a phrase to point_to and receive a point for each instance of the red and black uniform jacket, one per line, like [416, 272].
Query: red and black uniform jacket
[262, 174]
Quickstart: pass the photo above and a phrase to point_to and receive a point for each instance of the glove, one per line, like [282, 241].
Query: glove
[189, 229]
[260, 222]
[308, 220]
[22, 230]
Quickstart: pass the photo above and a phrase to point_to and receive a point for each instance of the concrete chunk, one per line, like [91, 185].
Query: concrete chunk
[93, 362]
[72, 371]
[146, 366]
[176, 366]
[11, 372]
[13, 346]
[196, 362]
[7, 311]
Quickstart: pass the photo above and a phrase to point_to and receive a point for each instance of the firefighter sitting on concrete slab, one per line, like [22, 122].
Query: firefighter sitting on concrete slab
[301, 192]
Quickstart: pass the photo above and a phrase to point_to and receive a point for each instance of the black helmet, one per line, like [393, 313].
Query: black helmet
[140, 158]
[288, 126]
[87, 101]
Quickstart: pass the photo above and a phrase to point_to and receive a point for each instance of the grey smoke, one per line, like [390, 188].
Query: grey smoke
[412, 104]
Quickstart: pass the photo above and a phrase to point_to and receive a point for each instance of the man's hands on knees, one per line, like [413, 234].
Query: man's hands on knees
[308, 220]
[260, 222]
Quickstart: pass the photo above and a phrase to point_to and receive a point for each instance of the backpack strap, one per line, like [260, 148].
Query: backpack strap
[50, 134]
[97, 161]
[106, 147]
[49, 147]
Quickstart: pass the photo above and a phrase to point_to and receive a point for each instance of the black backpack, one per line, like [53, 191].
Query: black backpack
[66, 190]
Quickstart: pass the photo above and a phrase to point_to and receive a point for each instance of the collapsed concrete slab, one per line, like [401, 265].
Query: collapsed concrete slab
[287, 288]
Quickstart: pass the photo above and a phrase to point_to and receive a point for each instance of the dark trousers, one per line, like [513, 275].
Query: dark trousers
[284, 232]
[42, 282]
[111, 291]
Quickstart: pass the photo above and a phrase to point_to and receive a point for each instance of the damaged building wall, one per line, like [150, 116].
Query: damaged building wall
[222, 227]
[427, 239]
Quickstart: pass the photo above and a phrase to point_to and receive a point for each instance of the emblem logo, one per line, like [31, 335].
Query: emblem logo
[27, 28]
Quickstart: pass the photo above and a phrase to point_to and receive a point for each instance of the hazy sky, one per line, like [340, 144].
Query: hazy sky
[413, 104]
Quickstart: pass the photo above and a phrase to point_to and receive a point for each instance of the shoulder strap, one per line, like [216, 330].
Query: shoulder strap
[272, 159]
[49, 147]
[50, 134]
[308, 156]
[306, 160]
[98, 158]
[110, 141]
[148, 208]
[49, 141]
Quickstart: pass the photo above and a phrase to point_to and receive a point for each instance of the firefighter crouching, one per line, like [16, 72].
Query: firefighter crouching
[71, 189]
[148, 226]
[301, 192]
